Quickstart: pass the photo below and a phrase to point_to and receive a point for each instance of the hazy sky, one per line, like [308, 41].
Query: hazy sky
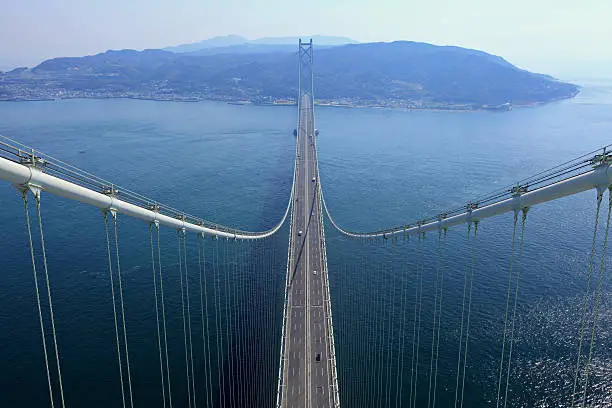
[560, 37]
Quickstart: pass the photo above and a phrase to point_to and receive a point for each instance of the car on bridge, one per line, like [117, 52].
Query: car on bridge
[300, 233]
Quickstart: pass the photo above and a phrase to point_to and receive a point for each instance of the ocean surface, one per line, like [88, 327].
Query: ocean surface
[379, 167]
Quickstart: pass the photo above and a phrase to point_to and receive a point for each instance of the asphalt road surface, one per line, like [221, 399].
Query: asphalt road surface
[307, 374]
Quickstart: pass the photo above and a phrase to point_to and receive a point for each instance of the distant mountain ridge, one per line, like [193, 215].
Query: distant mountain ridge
[236, 40]
[401, 74]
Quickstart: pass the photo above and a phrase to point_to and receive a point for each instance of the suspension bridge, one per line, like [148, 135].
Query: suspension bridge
[239, 349]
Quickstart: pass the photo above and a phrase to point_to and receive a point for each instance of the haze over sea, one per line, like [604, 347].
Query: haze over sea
[379, 167]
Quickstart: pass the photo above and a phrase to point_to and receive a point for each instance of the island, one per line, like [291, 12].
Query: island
[401, 74]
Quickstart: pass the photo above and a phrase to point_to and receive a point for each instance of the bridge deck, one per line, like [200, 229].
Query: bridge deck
[308, 369]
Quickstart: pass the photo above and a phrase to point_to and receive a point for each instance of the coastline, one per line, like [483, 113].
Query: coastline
[397, 105]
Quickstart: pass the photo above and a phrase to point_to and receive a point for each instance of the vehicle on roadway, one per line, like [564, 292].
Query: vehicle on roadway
[314, 179]
[314, 273]
[300, 233]
[318, 357]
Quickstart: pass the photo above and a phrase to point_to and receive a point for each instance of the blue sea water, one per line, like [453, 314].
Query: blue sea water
[379, 167]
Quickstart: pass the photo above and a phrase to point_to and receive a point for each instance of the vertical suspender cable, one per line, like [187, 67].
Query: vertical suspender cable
[180, 262]
[261, 303]
[501, 359]
[221, 264]
[350, 375]
[369, 312]
[390, 349]
[204, 310]
[274, 310]
[229, 264]
[216, 252]
[265, 307]
[240, 323]
[272, 320]
[110, 270]
[442, 270]
[231, 345]
[236, 317]
[246, 356]
[256, 303]
[435, 311]
[378, 320]
[228, 320]
[467, 326]
[42, 327]
[189, 320]
[465, 282]
[163, 308]
[416, 364]
[350, 389]
[414, 328]
[241, 326]
[585, 300]
[256, 265]
[381, 317]
[516, 290]
[597, 298]
[273, 315]
[44, 254]
[227, 296]
[127, 356]
[159, 347]
[351, 355]
[400, 363]
[235, 327]
[367, 307]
